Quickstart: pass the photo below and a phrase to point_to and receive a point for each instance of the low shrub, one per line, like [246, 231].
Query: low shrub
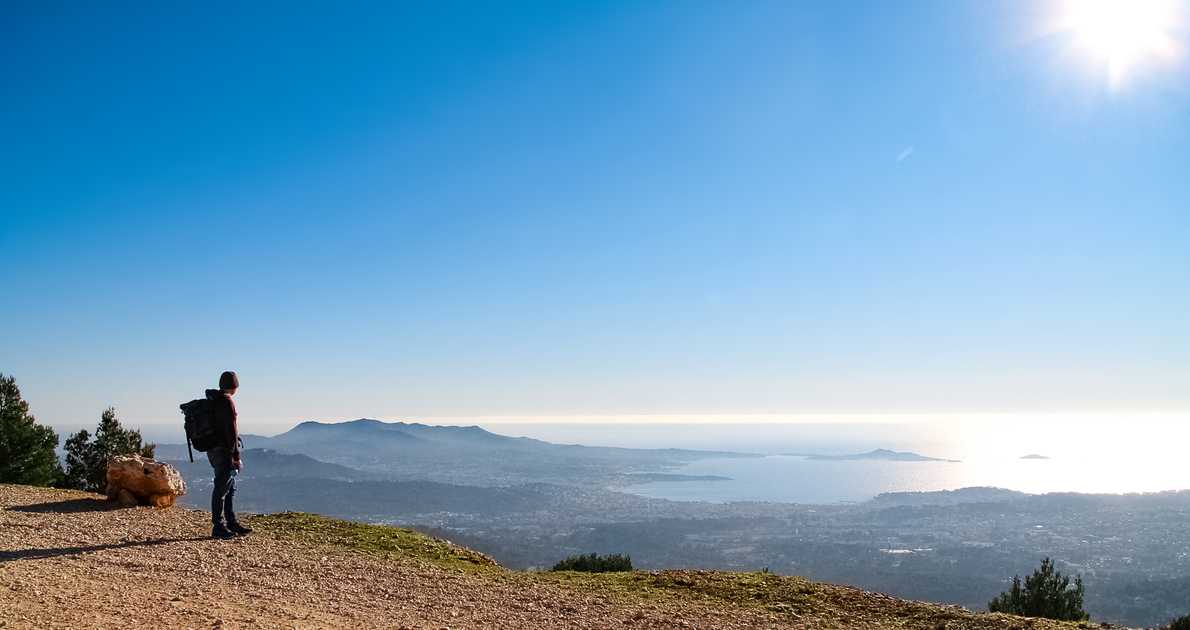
[1043, 594]
[592, 563]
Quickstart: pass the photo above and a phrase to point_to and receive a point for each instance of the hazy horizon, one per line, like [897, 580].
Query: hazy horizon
[935, 435]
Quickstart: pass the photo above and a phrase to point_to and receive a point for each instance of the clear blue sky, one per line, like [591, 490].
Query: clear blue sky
[385, 209]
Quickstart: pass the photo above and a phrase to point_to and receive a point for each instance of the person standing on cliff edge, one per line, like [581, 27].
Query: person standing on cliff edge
[225, 459]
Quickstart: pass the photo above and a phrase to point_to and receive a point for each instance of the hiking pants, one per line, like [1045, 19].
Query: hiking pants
[225, 485]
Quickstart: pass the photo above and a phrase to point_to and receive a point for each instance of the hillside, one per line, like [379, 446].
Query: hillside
[465, 455]
[68, 559]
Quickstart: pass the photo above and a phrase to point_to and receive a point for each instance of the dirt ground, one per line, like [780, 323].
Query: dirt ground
[70, 562]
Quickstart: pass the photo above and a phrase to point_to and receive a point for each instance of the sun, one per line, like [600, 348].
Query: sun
[1124, 33]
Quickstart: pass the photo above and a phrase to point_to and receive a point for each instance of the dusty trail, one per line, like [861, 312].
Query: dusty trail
[70, 560]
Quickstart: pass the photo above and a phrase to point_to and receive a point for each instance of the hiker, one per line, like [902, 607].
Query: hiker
[225, 459]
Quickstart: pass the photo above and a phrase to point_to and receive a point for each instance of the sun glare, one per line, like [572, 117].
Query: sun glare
[1124, 33]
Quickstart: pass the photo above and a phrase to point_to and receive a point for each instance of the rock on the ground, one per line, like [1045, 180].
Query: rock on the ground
[126, 499]
[148, 481]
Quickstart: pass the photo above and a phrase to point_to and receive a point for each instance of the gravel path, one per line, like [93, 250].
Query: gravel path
[70, 560]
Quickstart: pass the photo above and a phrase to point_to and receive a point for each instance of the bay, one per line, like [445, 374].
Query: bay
[1086, 453]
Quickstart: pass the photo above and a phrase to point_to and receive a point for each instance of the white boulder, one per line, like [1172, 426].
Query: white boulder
[148, 481]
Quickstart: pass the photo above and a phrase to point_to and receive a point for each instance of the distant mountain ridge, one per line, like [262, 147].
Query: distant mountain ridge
[392, 434]
[471, 455]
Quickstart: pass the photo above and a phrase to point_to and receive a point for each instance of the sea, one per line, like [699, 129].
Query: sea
[1036, 454]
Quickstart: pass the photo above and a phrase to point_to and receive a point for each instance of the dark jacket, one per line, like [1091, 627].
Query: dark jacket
[225, 420]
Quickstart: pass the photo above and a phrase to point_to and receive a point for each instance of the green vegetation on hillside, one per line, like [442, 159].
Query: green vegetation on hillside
[27, 454]
[86, 461]
[830, 605]
[593, 563]
[348, 536]
[28, 450]
[1046, 594]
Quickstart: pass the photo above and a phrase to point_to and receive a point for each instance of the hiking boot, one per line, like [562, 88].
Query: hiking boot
[221, 532]
[238, 529]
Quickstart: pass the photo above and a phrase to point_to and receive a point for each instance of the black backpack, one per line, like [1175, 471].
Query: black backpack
[201, 432]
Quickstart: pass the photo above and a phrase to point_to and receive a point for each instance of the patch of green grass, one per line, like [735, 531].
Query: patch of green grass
[758, 590]
[831, 606]
[316, 530]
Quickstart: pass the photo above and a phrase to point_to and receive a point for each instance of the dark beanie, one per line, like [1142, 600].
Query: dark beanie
[228, 380]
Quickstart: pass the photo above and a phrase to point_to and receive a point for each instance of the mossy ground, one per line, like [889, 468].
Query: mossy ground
[830, 605]
[351, 537]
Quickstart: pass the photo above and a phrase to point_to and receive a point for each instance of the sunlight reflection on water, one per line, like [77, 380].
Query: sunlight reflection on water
[1089, 456]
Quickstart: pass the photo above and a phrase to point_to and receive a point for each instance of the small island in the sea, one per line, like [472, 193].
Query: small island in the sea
[1034, 456]
[880, 454]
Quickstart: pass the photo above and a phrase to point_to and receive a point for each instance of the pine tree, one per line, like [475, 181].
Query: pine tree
[86, 461]
[1044, 594]
[27, 453]
[593, 563]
